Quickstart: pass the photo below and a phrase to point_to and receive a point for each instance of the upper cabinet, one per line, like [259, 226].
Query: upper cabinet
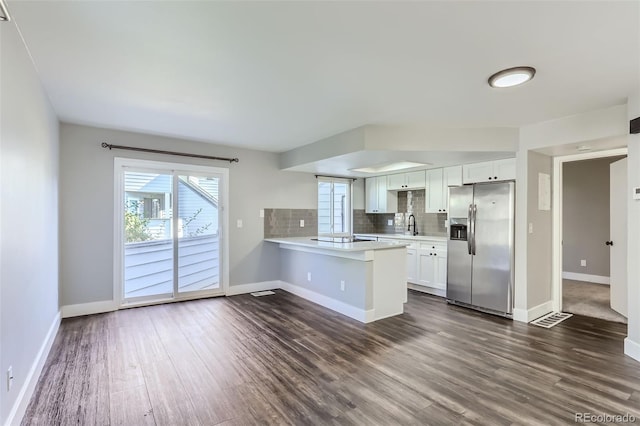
[438, 183]
[377, 197]
[406, 181]
[489, 171]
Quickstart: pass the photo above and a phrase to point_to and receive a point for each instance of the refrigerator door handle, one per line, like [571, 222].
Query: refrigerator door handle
[469, 229]
[473, 232]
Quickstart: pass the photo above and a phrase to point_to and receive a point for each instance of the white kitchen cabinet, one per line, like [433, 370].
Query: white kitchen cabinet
[377, 198]
[426, 264]
[412, 265]
[432, 268]
[406, 181]
[434, 196]
[489, 171]
[438, 183]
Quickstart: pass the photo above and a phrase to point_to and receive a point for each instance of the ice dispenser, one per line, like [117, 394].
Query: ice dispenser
[458, 229]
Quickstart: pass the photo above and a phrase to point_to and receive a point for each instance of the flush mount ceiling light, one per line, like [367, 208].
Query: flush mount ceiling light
[389, 167]
[511, 77]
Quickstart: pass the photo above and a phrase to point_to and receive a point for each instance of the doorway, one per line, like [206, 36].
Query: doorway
[170, 225]
[589, 271]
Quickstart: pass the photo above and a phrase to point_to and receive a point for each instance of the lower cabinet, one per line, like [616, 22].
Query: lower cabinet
[412, 264]
[432, 265]
[426, 264]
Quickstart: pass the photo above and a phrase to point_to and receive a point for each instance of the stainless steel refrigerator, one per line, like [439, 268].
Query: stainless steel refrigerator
[480, 246]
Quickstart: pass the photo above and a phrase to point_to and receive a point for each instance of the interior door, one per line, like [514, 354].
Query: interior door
[618, 235]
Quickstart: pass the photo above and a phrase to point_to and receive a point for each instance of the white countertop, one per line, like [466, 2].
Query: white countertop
[406, 237]
[345, 247]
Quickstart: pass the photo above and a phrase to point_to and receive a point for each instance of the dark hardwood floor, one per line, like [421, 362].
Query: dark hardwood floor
[282, 360]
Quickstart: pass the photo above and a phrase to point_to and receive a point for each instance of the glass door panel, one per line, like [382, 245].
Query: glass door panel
[198, 239]
[148, 235]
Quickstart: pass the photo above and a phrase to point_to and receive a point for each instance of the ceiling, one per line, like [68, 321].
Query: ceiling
[278, 75]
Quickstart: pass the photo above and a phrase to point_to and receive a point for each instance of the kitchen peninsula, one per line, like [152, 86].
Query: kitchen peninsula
[360, 279]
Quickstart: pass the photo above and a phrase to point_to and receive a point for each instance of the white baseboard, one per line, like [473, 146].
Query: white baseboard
[26, 392]
[598, 279]
[632, 349]
[252, 287]
[335, 305]
[80, 309]
[528, 315]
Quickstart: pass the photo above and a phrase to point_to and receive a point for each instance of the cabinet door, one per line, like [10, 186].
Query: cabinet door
[440, 272]
[396, 182]
[504, 169]
[434, 196]
[371, 195]
[415, 180]
[382, 194]
[478, 172]
[451, 176]
[426, 267]
[412, 265]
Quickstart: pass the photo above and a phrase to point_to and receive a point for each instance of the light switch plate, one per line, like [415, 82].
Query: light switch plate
[301, 223]
[531, 228]
[390, 222]
[583, 262]
[261, 212]
[239, 223]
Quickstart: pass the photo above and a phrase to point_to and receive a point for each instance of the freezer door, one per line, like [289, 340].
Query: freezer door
[459, 261]
[494, 246]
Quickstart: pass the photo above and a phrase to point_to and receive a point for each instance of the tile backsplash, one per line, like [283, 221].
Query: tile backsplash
[409, 202]
[413, 202]
[286, 223]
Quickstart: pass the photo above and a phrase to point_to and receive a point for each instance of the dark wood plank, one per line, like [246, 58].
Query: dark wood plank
[283, 360]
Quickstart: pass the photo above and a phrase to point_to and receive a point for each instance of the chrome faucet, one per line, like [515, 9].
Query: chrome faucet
[414, 224]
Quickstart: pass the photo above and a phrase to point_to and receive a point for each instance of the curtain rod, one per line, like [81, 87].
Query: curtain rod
[159, 151]
[337, 177]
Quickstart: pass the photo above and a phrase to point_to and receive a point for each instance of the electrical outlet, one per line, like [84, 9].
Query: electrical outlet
[261, 212]
[583, 262]
[301, 223]
[239, 223]
[342, 285]
[309, 276]
[390, 222]
[9, 378]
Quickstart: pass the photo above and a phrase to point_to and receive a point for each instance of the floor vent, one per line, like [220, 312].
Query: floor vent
[551, 319]
[262, 293]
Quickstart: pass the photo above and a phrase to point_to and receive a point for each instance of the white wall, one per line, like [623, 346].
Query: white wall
[87, 186]
[532, 286]
[632, 343]
[28, 220]
[532, 296]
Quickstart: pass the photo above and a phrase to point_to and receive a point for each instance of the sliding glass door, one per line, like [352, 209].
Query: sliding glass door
[198, 237]
[170, 231]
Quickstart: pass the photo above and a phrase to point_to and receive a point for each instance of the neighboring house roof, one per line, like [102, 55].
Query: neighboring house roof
[159, 183]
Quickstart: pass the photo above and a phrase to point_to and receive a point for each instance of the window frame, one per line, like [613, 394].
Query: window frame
[348, 217]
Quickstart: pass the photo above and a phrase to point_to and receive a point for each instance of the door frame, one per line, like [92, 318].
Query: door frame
[556, 264]
[118, 220]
